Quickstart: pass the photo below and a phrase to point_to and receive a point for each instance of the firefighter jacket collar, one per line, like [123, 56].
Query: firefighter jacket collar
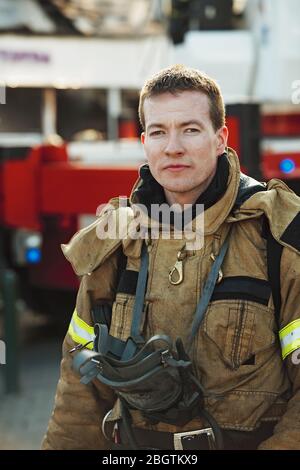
[225, 196]
[243, 199]
[149, 191]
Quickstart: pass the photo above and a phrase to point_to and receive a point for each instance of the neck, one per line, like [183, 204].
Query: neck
[189, 197]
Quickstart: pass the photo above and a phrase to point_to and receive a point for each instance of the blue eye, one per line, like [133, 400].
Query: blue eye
[191, 130]
[154, 133]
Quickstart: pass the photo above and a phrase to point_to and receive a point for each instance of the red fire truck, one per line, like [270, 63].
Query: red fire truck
[47, 192]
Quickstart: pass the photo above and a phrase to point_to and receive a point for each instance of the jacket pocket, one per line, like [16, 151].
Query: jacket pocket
[122, 312]
[240, 329]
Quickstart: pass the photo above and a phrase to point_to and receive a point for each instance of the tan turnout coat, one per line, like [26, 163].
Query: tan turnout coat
[241, 393]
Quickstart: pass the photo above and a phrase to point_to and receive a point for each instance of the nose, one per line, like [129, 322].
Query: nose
[174, 147]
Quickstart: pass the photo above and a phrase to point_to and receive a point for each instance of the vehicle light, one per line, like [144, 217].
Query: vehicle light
[33, 255]
[287, 165]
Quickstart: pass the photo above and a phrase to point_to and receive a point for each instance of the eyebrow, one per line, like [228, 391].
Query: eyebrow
[155, 124]
[183, 124]
[192, 122]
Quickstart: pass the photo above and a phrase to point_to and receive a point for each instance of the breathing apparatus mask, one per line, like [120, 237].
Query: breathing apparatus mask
[156, 379]
[153, 376]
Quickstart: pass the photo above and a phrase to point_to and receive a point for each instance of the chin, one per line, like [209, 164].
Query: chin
[178, 189]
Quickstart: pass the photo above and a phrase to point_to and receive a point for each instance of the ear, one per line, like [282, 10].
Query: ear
[222, 137]
[143, 137]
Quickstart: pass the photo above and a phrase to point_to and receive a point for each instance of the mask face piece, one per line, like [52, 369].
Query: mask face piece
[155, 381]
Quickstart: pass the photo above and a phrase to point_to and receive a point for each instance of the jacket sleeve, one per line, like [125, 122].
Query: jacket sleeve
[287, 432]
[79, 409]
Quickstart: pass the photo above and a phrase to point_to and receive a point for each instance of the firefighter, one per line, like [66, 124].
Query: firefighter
[227, 312]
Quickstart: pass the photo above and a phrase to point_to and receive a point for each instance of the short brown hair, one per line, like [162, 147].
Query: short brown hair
[180, 78]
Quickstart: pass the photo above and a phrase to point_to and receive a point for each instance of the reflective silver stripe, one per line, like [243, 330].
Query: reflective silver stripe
[82, 333]
[290, 337]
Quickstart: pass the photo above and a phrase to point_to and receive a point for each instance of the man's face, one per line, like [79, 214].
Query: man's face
[181, 144]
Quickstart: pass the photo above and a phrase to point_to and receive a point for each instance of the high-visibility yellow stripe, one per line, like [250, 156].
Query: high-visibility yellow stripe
[80, 331]
[78, 339]
[79, 322]
[290, 338]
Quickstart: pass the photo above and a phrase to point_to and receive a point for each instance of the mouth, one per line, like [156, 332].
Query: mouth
[176, 167]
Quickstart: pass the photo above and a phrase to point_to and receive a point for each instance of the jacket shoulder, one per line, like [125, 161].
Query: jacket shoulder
[281, 207]
[247, 187]
[93, 245]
